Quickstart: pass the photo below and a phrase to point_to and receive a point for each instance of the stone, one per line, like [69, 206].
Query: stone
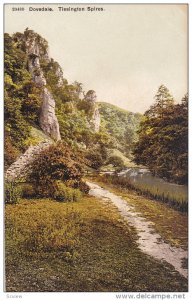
[36, 72]
[96, 120]
[37, 48]
[36, 45]
[59, 74]
[48, 119]
[21, 167]
[91, 96]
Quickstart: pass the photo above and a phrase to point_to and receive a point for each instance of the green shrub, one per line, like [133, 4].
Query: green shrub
[76, 184]
[63, 193]
[116, 161]
[12, 192]
[84, 188]
[95, 159]
[11, 152]
[28, 190]
[77, 195]
[58, 162]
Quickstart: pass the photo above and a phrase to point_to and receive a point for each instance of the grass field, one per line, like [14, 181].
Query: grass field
[83, 246]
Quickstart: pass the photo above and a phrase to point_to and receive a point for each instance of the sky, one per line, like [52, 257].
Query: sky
[123, 52]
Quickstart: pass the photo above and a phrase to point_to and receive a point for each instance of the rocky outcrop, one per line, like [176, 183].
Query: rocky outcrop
[35, 70]
[36, 45]
[94, 119]
[59, 74]
[48, 119]
[36, 49]
[91, 97]
[21, 167]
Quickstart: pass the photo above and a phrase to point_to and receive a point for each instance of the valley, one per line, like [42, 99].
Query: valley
[80, 216]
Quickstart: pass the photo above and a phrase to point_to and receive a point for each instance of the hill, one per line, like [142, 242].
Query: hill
[121, 125]
[37, 96]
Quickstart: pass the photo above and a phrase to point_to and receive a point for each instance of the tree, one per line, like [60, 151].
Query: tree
[129, 138]
[15, 124]
[163, 102]
[95, 159]
[31, 104]
[116, 161]
[162, 144]
[18, 88]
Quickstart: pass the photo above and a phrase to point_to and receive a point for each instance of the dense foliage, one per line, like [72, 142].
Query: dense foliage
[163, 138]
[63, 193]
[116, 161]
[74, 107]
[73, 110]
[21, 100]
[57, 162]
[121, 125]
[12, 193]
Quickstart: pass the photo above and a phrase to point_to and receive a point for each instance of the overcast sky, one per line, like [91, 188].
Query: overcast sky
[124, 52]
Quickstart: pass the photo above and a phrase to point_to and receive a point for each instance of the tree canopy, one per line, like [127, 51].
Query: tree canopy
[163, 138]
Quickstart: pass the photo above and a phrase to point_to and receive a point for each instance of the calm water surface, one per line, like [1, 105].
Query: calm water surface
[142, 178]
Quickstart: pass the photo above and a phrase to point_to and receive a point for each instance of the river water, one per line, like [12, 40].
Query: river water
[149, 241]
[143, 179]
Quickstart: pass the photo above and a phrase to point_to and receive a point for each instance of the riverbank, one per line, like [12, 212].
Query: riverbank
[171, 224]
[149, 241]
[144, 183]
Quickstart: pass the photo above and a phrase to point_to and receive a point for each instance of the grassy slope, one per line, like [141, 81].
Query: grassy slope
[116, 121]
[113, 107]
[127, 162]
[37, 136]
[106, 257]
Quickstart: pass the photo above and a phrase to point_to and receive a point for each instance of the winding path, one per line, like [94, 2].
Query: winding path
[149, 241]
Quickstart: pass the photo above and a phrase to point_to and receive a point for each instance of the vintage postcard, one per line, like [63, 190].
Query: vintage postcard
[96, 150]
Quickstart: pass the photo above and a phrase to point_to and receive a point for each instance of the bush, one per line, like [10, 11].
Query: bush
[12, 192]
[95, 159]
[28, 190]
[81, 185]
[116, 161]
[11, 152]
[84, 188]
[63, 193]
[58, 162]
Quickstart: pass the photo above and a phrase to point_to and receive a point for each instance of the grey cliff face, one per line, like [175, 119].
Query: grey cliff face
[35, 70]
[36, 45]
[96, 120]
[91, 96]
[48, 119]
[36, 48]
[95, 115]
[59, 74]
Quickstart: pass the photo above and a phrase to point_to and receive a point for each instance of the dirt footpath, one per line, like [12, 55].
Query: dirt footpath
[149, 241]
